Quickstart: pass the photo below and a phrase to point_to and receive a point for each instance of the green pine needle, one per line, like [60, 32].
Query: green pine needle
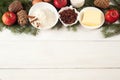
[110, 30]
[73, 27]
[17, 29]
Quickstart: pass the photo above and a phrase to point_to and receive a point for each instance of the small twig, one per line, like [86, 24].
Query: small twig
[34, 20]
[30, 16]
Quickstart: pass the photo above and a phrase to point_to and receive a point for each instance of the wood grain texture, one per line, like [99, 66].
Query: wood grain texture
[59, 54]
[52, 74]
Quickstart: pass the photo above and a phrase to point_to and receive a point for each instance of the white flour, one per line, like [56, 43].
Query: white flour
[45, 17]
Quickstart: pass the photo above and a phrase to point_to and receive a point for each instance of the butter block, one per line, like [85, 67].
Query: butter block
[92, 18]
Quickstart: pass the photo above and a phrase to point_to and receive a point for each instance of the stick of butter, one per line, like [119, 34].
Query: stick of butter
[92, 18]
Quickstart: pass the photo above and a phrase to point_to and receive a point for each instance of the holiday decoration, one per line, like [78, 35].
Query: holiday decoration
[102, 3]
[22, 17]
[16, 28]
[21, 8]
[15, 6]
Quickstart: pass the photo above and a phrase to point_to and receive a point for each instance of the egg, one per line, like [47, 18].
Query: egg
[36, 1]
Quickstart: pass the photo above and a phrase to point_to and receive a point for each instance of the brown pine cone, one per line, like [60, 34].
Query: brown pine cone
[15, 6]
[22, 17]
[102, 3]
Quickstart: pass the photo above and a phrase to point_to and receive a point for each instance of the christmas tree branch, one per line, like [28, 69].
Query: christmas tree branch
[16, 29]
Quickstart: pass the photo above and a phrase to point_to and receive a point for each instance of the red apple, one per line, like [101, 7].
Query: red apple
[111, 16]
[60, 3]
[9, 18]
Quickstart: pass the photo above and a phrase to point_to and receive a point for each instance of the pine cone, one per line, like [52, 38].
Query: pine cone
[22, 17]
[15, 6]
[102, 3]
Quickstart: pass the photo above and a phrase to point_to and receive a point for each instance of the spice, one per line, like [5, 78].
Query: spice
[35, 19]
[31, 17]
[68, 16]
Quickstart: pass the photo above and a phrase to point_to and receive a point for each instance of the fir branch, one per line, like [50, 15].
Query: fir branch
[26, 4]
[116, 2]
[110, 30]
[1, 27]
[112, 7]
[28, 29]
[73, 27]
[16, 29]
[89, 3]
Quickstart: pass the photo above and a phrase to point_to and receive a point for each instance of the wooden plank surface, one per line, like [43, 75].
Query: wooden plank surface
[66, 74]
[59, 54]
[59, 60]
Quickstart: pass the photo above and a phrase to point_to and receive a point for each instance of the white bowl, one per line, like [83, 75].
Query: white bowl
[78, 3]
[40, 8]
[66, 8]
[91, 8]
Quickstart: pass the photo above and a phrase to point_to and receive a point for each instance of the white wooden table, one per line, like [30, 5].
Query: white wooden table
[26, 59]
